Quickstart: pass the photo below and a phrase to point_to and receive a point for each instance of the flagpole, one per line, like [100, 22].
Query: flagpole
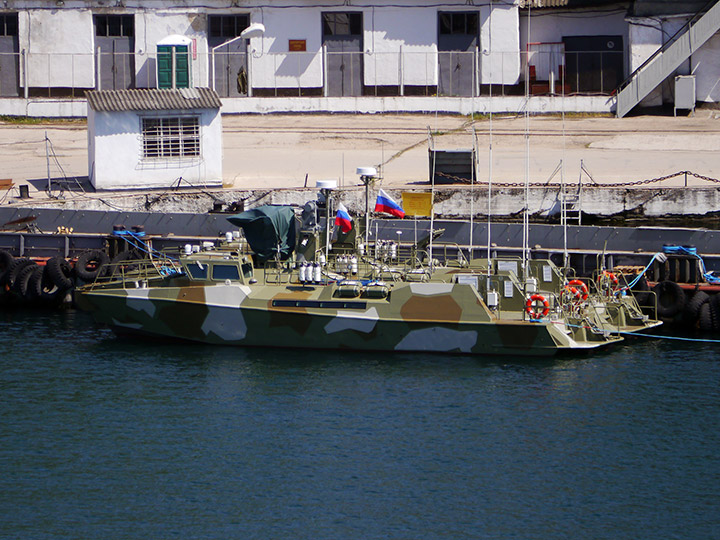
[367, 175]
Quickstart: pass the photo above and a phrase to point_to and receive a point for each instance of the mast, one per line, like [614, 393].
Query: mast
[526, 213]
[490, 157]
[367, 177]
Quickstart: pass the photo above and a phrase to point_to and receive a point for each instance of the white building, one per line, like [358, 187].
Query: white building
[154, 138]
[338, 55]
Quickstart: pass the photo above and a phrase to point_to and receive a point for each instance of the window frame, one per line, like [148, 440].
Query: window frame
[170, 137]
[457, 19]
[331, 23]
[223, 24]
[9, 20]
[124, 23]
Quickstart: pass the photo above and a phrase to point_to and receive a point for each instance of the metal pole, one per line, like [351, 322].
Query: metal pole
[402, 73]
[173, 66]
[99, 70]
[47, 160]
[366, 181]
[212, 66]
[248, 57]
[25, 73]
[328, 213]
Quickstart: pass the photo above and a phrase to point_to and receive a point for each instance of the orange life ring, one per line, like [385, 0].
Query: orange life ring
[608, 283]
[612, 277]
[571, 295]
[582, 287]
[542, 305]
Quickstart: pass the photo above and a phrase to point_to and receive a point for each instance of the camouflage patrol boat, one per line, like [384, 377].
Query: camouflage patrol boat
[270, 290]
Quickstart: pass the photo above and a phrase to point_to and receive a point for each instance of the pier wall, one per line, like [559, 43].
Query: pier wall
[637, 204]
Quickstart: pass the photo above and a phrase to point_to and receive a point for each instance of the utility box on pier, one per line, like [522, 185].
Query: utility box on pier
[684, 93]
[452, 166]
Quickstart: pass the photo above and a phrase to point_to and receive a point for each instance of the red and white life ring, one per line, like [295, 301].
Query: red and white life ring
[571, 295]
[537, 306]
[612, 278]
[582, 287]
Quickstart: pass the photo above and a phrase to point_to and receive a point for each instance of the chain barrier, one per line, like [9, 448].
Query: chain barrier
[649, 181]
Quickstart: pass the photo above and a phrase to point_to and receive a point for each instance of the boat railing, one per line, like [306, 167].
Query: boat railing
[278, 272]
[136, 273]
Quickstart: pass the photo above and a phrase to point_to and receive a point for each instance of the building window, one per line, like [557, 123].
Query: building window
[342, 24]
[171, 137]
[114, 25]
[227, 26]
[459, 23]
[8, 24]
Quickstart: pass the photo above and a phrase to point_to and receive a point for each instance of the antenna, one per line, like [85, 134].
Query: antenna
[326, 188]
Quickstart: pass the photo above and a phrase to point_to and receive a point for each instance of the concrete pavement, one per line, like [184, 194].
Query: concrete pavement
[268, 152]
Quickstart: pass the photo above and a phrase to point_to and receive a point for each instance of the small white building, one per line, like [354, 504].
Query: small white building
[154, 138]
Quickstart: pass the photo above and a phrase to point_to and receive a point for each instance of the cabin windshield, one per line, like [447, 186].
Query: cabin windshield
[197, 270]
[221, 272]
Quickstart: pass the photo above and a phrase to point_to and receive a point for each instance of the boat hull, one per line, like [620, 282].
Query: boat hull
[448, 319]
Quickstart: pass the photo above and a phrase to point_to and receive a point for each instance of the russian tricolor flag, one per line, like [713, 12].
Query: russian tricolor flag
[386, 205]
[343, 219]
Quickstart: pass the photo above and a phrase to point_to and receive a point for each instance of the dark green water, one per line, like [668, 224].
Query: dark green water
[111, 438]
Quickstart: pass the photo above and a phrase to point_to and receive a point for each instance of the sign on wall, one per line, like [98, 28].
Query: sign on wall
[417, 204]
[297, 45]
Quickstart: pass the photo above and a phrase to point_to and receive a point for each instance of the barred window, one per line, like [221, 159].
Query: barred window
[171, 137]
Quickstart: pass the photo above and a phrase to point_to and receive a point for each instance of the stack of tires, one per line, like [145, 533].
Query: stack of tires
[25, 282]
[693, 309]
[703, 311]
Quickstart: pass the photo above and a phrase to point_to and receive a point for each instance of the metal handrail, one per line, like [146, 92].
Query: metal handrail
[667, 44]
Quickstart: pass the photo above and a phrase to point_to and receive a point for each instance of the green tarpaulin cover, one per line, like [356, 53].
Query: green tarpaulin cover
[269, 230]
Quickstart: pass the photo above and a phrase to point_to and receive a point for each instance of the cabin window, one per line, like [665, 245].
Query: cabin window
[221, 272]
[247, 270]
[171, 137]
[197, 270]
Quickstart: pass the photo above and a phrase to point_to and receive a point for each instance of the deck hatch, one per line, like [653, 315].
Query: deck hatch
[321, 304]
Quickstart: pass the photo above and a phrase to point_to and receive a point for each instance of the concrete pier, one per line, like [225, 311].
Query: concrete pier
[632, 168]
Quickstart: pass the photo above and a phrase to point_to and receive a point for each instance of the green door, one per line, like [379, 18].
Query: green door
[181, 76]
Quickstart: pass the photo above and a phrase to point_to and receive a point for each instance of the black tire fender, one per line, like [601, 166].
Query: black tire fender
[45, 288]
[15, 269]
[90, 264]
[60, 272]
[33, 288]
[20, 286]
[692, 309]
[715, 312]
[670, 299]
[6, 260]
[705, 322]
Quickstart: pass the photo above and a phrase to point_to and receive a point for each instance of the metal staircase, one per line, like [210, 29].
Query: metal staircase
[668, 58]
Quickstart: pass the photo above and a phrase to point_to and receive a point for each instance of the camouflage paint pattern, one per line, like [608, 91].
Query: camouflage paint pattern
[437, 317]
